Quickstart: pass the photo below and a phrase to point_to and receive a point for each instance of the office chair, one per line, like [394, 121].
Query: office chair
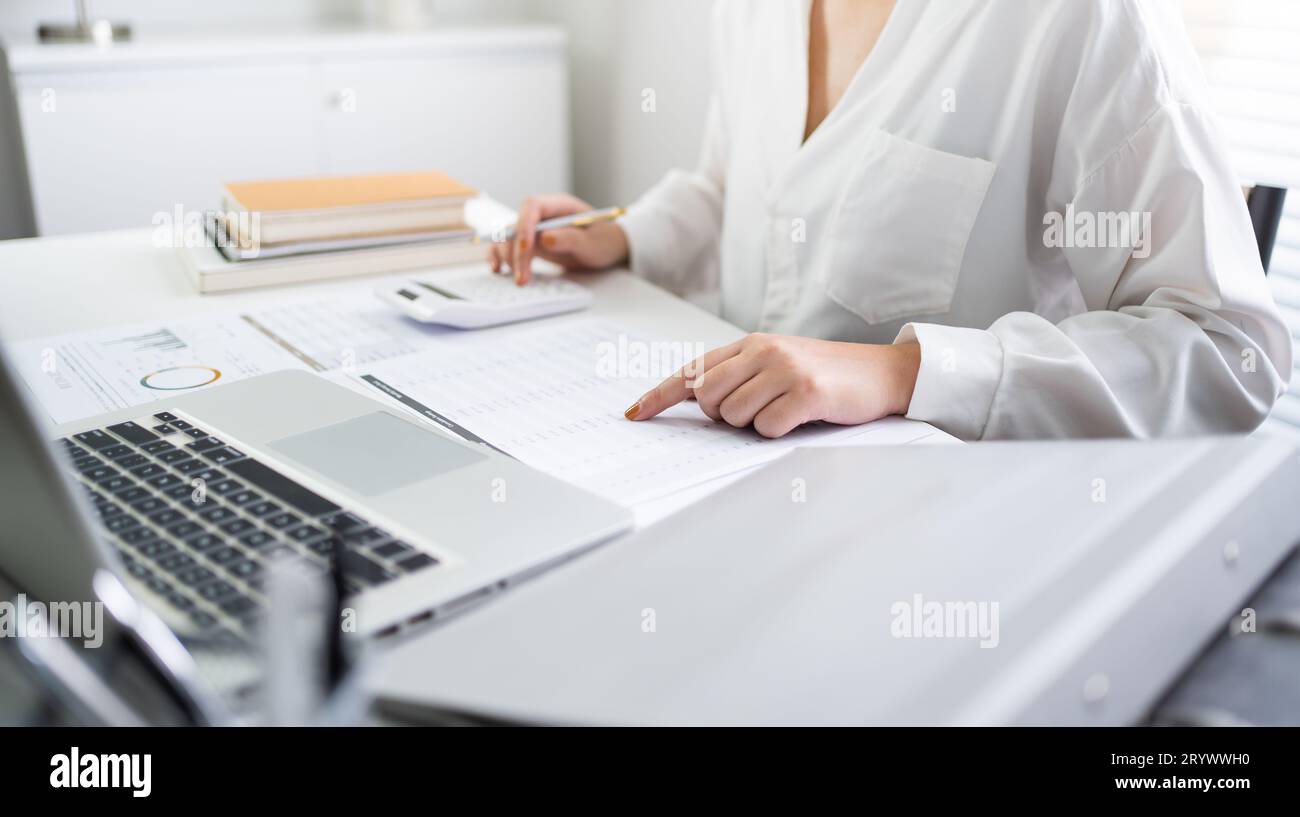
[1265, 205]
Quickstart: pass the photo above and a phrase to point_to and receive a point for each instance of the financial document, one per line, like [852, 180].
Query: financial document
[88, 373]
[83, 374]
[554, 396]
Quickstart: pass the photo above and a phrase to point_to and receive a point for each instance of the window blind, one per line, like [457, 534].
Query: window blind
[1250, 53]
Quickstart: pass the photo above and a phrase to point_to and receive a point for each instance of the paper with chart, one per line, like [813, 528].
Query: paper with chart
[83, 374]
[89, 373]
[554, 398]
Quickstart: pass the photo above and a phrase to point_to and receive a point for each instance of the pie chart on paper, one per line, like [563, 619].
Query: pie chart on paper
[180, 378]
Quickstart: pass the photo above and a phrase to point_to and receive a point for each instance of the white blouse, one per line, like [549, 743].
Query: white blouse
[982, 187]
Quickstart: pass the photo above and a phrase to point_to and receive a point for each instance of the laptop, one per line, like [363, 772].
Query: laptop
[994, 583]
[185, 503]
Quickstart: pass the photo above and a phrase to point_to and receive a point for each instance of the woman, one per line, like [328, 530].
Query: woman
[1009, 219]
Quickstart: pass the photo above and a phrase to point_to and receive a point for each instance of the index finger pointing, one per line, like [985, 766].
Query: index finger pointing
[679, 386]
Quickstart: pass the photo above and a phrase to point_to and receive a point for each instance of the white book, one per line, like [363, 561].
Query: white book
[211, 272]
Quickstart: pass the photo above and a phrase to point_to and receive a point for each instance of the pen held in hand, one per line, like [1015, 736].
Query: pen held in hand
[585, 219]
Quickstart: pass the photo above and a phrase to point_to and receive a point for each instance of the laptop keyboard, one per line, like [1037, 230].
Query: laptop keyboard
[197, 521]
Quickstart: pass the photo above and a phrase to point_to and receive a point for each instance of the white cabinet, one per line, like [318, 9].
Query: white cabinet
[113, 137]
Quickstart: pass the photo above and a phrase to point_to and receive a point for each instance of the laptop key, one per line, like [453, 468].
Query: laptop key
[166, 517]
[366, 536]
[225, 486]
[155, 548]
[196, 433]
[280, 521]
[204, 621]
[157, 447]
[236, 526]
[344, 522]
[181, 424]
[175, 561]
[205, 444]
[138, 570]
[170, 457]
[217, 590]
[131, 461]
[180, 601]
[132, 494]
[356, 566]
[243, 568]
[243, 497]
[194, 576]
[183, 529]
[149, 469]
[262, 508]
[417, 562]
[163, 429]
[392, 550]
[100, 472]
[164, 481]
[116, 452]
[149, 505]
[239, 606]
[189, 465]
[120, 523]
[204, 542]
[133, 433]
[176, 493]
[115, 483]
[87, 462]
[95, 439]
[165, 416]
[216, 514]
[224, 555]
[256, 539]
[221, 456]
[108, 509]
[305, 533]
[137, 535]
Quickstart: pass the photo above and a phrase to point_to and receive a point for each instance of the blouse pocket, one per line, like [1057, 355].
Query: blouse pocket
[901, 227]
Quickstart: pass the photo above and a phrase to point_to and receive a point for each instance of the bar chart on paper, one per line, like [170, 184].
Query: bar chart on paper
[89, 373]
[553, 398]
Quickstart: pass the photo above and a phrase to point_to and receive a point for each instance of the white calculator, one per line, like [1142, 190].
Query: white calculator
[478, 299]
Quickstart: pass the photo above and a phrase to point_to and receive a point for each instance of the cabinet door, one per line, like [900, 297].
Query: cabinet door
[495, 120]
[113, 148]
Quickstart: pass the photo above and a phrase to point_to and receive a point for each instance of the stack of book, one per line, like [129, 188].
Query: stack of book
[289, 230]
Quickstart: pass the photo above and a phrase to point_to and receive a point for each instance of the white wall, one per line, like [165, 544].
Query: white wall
[617, 49]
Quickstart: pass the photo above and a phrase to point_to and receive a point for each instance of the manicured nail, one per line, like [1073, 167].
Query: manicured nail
[633, 410]
[548, 241]
[522, 245]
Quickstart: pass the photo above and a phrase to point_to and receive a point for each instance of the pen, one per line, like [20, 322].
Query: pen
[576, 220]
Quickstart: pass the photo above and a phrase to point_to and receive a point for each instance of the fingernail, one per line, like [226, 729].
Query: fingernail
[523, 245]
[633, 410]
[548, 241]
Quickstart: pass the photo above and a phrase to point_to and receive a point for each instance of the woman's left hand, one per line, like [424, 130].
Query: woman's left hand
[778, 382]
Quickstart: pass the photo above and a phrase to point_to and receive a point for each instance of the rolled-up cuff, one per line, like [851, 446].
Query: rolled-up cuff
[958, 378]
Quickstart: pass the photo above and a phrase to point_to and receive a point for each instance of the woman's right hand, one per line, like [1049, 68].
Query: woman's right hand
[575, 248]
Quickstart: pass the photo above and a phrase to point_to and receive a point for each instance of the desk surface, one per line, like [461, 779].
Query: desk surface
[71, 283]
[62, 284]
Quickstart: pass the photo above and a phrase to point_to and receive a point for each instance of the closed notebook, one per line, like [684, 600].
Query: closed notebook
[277, 196]
[333, 206]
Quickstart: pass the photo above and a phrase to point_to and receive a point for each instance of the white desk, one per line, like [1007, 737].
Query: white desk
[63, 284]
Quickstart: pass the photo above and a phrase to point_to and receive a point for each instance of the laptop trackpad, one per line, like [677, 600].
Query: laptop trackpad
[375, 453]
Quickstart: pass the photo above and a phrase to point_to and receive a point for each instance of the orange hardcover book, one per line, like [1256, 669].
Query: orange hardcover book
[331, 192]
